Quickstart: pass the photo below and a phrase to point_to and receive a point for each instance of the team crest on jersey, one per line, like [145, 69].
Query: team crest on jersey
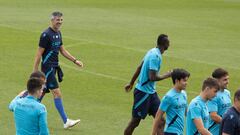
[44, 34]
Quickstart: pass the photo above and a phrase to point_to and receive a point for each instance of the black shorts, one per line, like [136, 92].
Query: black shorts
[50, 73]
[167, 133]
[144, 104]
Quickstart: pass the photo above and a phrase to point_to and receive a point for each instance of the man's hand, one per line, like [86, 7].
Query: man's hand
[128, 87]
[79, 63]
[169, 73]
[22, 93]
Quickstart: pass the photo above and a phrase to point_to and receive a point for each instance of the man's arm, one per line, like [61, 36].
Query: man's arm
[153, 76]
[213, 109]
[67, 55]
[215, 117]
[38, 58]
[43, 122]
[199, 125]
[129, 86]
[158, 121]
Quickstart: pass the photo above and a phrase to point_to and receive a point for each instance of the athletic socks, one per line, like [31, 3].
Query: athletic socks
[59, 106]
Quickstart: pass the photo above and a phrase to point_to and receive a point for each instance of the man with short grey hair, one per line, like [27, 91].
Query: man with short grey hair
[50, 45]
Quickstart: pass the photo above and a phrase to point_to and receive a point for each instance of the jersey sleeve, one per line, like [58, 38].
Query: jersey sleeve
[195, 112]
[229, 124]
[165, 103]
[212, 105]
[44, 40]
[12, 105]
[154, 63]
[43, 122]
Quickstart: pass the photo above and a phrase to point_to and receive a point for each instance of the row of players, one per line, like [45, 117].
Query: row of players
[204, 113]
[208, 113]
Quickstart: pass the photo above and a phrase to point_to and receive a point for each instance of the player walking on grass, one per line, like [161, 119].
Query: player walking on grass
[49, 46]
[146, 100]
[221, 103]
[174, 103]
[30, 115]
[198, 114]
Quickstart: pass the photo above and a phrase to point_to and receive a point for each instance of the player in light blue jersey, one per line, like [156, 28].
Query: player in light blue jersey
[221, 103]
[198, 114]
[174, 103]
[30, 115]
[146, 100]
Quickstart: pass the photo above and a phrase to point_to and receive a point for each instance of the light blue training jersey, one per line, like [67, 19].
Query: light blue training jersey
[220, 104]
[30, 116]
[174, 104]
[152, 61]
[197, 110]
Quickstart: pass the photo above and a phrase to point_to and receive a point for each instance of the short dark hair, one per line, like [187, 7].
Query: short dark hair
[179, 74]
[237, 95]
[34, 84]
[211, 83]
[163, 41]
[219, 72]
[37, 74]
[56, 13]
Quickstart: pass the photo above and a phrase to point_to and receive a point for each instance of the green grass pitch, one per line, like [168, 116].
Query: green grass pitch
[111, 38]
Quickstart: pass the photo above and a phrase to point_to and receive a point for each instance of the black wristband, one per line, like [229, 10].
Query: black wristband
[74, 61]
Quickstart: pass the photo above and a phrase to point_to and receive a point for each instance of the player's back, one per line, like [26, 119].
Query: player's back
[26, 114]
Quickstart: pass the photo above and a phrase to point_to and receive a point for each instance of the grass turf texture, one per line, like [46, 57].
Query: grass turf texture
[111, 37]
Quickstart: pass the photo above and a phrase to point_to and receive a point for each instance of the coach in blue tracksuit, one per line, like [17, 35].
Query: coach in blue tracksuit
[30, 115]
[146, 100]
[50, 45]
[230, 124]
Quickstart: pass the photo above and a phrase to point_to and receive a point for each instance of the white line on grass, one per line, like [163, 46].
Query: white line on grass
[93, 73]
[127, 48]
[141, 50]
[108, 76]
[100, 43]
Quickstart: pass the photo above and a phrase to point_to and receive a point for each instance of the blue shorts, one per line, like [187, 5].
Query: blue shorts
[145, 104]
[50, 73]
